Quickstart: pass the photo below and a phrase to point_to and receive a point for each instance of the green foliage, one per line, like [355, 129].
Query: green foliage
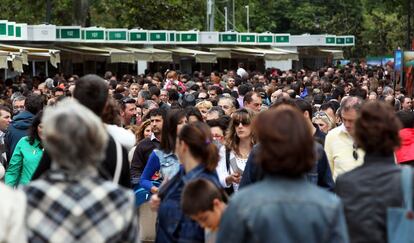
[379, 25]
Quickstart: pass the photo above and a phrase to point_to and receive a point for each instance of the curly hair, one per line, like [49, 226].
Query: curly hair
[376, 128]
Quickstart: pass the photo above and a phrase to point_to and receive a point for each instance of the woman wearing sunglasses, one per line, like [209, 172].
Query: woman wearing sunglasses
[239, 142]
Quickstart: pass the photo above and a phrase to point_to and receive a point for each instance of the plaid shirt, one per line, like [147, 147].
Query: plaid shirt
[62, 208]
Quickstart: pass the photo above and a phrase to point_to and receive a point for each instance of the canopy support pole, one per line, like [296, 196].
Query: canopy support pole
[34, 68]
[47, 68]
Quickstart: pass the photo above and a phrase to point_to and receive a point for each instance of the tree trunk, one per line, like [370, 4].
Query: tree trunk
[81, 13]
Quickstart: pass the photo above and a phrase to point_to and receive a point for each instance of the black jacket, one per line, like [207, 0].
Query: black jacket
[320, 175]
[367, 192]
[140, 158]
[106, 168]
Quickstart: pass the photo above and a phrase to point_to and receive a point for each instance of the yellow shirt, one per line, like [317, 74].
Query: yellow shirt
[339, 150]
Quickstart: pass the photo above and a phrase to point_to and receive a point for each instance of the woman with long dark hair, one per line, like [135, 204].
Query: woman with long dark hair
[164, 159]
[26, 155]
[199, 156]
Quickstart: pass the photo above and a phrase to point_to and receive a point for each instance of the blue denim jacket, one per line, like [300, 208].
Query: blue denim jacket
[173, 225]
[169, 164]
[281, 209]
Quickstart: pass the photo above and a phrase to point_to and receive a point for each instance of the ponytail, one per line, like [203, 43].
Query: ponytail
[199, 140]
[212, 157]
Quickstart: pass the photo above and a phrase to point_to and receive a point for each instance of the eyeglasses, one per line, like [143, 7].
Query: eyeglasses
[217, 136]
[18, 107]
[354, 151]
[224, 107]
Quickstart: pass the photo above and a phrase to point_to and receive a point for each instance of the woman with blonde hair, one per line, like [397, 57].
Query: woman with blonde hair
[204, 106]
[323, 121]
[239, 142]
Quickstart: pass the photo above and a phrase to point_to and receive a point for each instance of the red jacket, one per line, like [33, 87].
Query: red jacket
[406, 152]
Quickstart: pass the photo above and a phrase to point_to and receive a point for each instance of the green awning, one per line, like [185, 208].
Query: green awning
[200, 56]
[26, 52]
[3, 59]
[267, 54]
[113, 54]
[159, 55]
[336, 54]
[139, 54]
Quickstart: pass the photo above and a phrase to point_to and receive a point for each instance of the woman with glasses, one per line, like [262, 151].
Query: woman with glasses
[323, 121]
[239, 142]
[218, 129]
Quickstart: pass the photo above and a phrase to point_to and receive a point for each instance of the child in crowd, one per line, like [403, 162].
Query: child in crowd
[203, 202]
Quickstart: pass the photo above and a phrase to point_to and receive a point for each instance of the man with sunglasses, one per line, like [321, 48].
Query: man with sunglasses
[341, 150]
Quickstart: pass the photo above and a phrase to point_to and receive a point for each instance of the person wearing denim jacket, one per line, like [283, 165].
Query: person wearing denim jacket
[164, 159]
[173, 225]
[284, 206]
[166, 163]
[199, 158]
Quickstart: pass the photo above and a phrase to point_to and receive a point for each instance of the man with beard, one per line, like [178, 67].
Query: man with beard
[146, 146]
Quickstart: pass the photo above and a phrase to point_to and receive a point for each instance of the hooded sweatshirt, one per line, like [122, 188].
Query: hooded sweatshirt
[17, 129]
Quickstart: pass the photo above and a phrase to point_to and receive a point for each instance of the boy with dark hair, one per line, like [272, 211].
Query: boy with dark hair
[203, 202]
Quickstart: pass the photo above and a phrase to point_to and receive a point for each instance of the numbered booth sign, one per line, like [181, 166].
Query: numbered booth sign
[117, 35]
[68, 33]
[93, 34]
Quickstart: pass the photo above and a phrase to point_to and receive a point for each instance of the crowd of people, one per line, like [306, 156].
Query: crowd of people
[232, 156]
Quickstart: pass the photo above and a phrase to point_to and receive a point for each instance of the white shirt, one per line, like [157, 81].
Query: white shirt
[2, 171]
[339, 151]
[123, 136]
[12, 215]
[242, 72]
[222, 168]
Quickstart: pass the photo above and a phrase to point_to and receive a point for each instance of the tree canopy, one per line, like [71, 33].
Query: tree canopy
[380, 26]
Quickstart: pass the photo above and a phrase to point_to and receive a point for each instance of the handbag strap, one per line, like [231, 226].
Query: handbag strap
[406, 182]
[118, 168]
[227, 159]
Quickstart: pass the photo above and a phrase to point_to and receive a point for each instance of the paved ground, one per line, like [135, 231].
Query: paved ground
[147, 220]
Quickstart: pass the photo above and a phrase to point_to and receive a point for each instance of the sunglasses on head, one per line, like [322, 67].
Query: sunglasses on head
[128, 101]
